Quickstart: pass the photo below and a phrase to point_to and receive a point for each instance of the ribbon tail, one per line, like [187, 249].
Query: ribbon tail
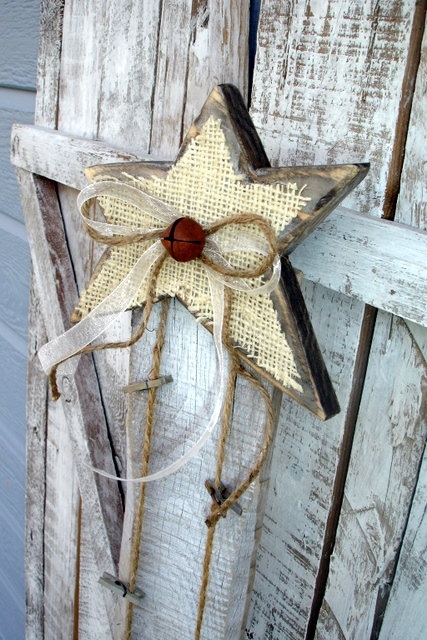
[102, 316]
[217, 295]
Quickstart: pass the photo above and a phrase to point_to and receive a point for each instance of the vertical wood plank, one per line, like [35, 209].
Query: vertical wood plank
[389, 441]
[49, 61]
[328, 76]
[163, 47]
[377, 503]
[46, 538]
[104, 43]
[83, 416]
[174, 532]
[302, 473]
[60, 528]
[36, 471]
[405, 609]
[326, 89]
[411, 206]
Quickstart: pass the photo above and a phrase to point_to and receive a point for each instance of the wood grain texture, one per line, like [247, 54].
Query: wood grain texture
[411, 207]
[322, 93]
[369, 556]
[80, 409]
[49, 61]
[10, 192]
[114, 40]
[61, 157]
[327, 76]
[408, 593]
[60, 528]
[300, 494]
[389, 441]
[36, 470]
[348, 252]
[379, 263]
[174, 531]
[409, 588]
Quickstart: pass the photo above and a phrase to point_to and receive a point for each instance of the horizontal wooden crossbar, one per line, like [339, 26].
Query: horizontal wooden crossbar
[381, 263]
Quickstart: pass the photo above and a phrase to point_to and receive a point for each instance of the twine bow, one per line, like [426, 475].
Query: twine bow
[219, 270]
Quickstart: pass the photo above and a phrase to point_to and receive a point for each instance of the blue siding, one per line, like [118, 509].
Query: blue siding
[19, 35]
[19, 29]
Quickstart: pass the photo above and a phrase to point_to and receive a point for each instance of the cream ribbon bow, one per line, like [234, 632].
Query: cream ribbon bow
[121, 298]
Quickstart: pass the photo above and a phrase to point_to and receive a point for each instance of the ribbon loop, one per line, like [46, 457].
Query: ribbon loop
[220, 274]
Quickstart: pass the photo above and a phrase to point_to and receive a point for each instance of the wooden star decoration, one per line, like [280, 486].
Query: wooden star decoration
[222, 169]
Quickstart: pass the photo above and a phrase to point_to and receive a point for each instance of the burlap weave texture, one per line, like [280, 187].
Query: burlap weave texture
[204, 185]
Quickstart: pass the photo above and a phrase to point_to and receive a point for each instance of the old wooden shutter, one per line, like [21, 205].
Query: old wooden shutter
[333, 543]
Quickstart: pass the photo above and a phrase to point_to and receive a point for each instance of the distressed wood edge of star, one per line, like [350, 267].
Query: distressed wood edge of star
[326, 186]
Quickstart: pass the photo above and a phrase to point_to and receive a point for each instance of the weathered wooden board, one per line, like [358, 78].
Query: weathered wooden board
[78, 113]
[389, 441]
[322, 93]
[327, 86]
[390, 436]
[349, 253]
[172, 547]
[304, 462]
[44, 230]
[404, 616]
[380, 263]
[10, 192]
[36, 470]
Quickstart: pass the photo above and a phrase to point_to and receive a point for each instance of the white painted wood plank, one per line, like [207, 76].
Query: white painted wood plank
[327, 86]
[380, 263]
[49, 593]
[174, 531]
[60, 550]
[36, 476]
[412, 200]
[405, 614]
[348, 253]
[303, 467]
[217, 52]
[383, 473]
[62, 157]
[92, 622]
[128, 71]
[389, 440]
[78, 408]
[10, 204]
[49, 62]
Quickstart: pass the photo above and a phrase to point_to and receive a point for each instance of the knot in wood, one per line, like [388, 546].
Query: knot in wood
[184, 239]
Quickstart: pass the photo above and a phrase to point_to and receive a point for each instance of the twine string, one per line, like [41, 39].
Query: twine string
[220, 510]
[146, 450]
